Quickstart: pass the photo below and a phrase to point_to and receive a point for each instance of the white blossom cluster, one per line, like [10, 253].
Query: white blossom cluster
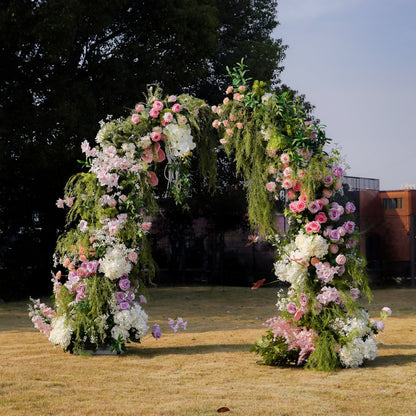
[180, 140]
[356, 326]
[133, 319]
[291, 271]
[356, 351]
[61, 331]
[313, 245]
[115, 263]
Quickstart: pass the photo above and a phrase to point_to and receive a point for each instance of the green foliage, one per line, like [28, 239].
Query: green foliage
[274, 351]
[324, 358]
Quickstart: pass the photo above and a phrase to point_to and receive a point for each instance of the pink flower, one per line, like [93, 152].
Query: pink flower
[146, 225]
[69, 201]
[242, 88]
[156, 332]
[324, 201]
[239, 126]
[172, 98]
[387, 310]
[297, 206]
[334, 235]
[133, 256]
[380, 325]
[124, 305]
[349, 208]
[297, 187]
[312, 227]
[176, 108]
[223, 141]
[340, 259]
[237, 96]
[229, 132]
[60, 203]
[216, 124]
[155, 136]
[354, 293]
[291, 308]
[272, 170]
[338, 184]
[299, 313]
[225, 123]
[326, 193]
[303, 300]
[142, 299]
[321, 217]
[147, 156]
[314, 207]
[135, 119]
[328, 180]
[139, 108]
[83, 225]
[287, 184]
[152, 178]
[167, 117]
[284, 158]
[158, 106]
[154, 113]
[333, 248]
[226, 100]
[287, 172]
[229, 90]
[271, 186]
[291, 195]
[160, 156]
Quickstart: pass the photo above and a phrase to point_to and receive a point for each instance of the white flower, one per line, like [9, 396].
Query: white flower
[291, 271]
[312, 245]
[266, 97]
[115, 263]
[353, 354]
[179, 139]
[133, 319]
[61, 331]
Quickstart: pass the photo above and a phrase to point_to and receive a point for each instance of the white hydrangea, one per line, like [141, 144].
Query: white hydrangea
[180, 141]
[145, 142]
[134, 318]
[291, 271]
[355, 352]
[356, 326]
[61, 331]
[115, 263]
[312, 245]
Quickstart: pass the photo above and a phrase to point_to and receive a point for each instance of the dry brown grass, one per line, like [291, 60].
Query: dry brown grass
[207, 367]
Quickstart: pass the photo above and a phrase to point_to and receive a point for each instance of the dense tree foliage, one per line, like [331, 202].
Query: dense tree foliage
[66, 65]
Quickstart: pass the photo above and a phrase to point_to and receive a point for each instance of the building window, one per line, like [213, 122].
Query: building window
[392, 203]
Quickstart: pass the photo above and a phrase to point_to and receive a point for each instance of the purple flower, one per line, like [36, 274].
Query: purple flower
[338, 172]
[349, 226]
[120, 297]
[124, 305]
[349, 208]
[328, 180]
[124, 284]
[142, 299]
[334, 214]
[334, 235]
[156, 331]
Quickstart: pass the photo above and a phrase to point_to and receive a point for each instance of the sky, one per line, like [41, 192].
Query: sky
[355, 60]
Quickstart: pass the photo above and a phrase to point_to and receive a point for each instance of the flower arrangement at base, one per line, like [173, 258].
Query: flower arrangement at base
[282, 157]
[104, 260]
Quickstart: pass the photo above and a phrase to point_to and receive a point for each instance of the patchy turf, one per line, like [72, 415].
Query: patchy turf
[205, 368]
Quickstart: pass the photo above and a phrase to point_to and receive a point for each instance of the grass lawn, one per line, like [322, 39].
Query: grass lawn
[205, 368]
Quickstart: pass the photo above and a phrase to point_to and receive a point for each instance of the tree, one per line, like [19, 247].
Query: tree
[65, 65]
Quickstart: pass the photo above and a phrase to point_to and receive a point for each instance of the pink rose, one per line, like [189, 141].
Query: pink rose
[272, 170]
[172, 99]
[287, 184]
[324, 201]
[135, 119]
[334, 214]
[314, 207]
[223, 141]
[328, 180]
[176, 108]
[287, 172]
[333, 248]
[124, 284]
[229, 132]
[158, 106]
[154, 113]
[312, 227]
[239, 126]
[303, 300]
[321, 217]
[225, 123]
[229, 90]
[284, 158]
[133, 256]
[242, 88]
[271, 186]
[226, 100]
[387, 310]
[340, 259]
[155, 135]
[291, 308]
[326, 193]
[297, 187]
[291, 195]
[60, 203]
[216, 124]
[334, 235]
[139, 108]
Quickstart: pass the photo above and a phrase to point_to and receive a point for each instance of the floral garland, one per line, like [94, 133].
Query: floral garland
[282, 157]
[104, 258]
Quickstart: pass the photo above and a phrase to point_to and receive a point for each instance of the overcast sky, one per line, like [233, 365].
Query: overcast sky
[355, 60]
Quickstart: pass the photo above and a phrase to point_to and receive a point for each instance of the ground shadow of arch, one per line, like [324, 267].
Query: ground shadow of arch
[395, 359]
[187, 350]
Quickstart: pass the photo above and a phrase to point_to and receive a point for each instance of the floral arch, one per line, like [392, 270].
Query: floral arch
[104, 259]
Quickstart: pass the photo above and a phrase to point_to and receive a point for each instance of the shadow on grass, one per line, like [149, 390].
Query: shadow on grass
[187, 350]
